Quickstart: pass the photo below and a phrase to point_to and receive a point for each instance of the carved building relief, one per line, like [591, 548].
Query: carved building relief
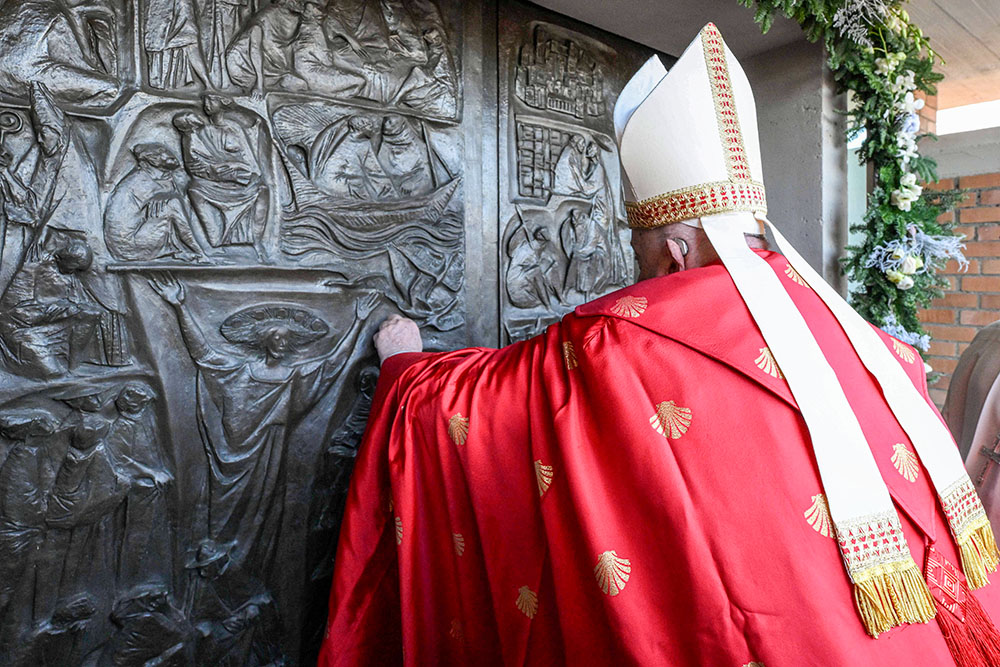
[206, 208]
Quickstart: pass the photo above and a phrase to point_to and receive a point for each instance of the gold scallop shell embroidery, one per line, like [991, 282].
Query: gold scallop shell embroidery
[671, 420]
[795, 276]
[543, 475]
[766, 363]
[630, 306]
[818, 516]
[399, 530]
[569, 355]
[456, 630]
[458, 428]
[905, 353]
[905, 462]
[612, 572]
[458, 542]
[754, 664]
[527, 601]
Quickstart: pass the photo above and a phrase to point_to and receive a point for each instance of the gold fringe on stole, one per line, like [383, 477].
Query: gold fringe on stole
[978, 548]
[891, 595]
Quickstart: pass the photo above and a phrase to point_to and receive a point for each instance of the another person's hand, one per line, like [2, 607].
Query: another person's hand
[395, 335]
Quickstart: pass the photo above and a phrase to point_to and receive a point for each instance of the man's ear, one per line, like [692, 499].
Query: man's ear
[677, 253]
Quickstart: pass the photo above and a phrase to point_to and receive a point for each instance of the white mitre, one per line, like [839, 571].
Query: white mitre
[688, 139]
[689, 153]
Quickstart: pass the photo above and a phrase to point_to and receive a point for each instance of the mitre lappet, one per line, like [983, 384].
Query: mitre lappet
[689, 153]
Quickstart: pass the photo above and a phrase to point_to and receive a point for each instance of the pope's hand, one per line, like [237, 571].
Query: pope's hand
[397, 334]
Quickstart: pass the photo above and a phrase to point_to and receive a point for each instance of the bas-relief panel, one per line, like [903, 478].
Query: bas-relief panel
[563, 237]
[205, 209]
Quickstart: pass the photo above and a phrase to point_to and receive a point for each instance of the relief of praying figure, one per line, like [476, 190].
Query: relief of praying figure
[405, 157]
[260, 56]
[344, 164]
[51, 322]
[147, 216]
[44, 42]
[432, 87]
[224, 156]
[170, 36]
[585, 243]
[249, 405]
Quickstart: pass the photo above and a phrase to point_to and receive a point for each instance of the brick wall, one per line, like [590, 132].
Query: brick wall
[974, 298]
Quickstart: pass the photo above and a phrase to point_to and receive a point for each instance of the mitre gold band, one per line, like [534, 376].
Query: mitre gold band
[696, 202]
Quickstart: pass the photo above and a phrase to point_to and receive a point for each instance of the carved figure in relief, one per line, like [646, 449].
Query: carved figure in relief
[584, 243]
[432, 87]
[224, 156]
[532, 270]
[58, 640]
[579, 170]
[24, 487]
[320, 67]
[343, 161]
[147, 216]
[18, 205]
[134, 445]
[150, 631]
[51, 322]
[226, 18]
[248, 406]
[81, 543]
[405, 157]
[171, 38]
[235, 619]
[48, 42]
[261, 55]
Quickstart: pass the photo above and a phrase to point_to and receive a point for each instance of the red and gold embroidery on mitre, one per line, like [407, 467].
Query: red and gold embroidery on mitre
[740, 192]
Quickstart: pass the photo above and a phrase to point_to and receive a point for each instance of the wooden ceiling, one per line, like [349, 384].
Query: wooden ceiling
[965, 33]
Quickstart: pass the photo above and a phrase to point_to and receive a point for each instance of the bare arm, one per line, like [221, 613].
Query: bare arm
[197, 344]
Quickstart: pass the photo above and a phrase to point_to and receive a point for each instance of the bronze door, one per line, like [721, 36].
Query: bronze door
[206, 208]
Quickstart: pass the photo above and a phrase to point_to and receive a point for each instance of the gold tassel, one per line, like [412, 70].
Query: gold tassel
[891, 595]
[978, 549]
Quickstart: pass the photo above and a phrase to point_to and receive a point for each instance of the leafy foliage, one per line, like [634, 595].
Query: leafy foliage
[875, 52]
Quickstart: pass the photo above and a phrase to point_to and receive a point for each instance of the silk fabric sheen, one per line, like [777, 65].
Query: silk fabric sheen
[722, 566]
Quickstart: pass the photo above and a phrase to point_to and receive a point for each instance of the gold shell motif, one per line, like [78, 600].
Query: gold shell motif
[543, 475]
[527, 601]
[905, 462]
[766, 363]
[671, 420]
[459, 543]
[569, 355]
[795, 276]
[458, 428]
[630, 306]
[754, 664]
[612, 572]
[399, 530]
[818, 516]
[905, 353]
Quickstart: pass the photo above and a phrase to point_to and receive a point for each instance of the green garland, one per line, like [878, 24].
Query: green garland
[875, 52]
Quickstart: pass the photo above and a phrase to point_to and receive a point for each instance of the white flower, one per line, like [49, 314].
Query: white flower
[911, 104]
[909, 180]
[884, 67]
[909, 265]
[903, 199]
[906, 283]
[894, 276]
[898, 253]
